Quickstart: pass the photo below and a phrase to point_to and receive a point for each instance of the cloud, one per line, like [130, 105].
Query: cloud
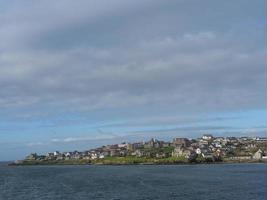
[182, 72]
[81, 139]
[128, 63]
[32, 144]
[163, 133]
[25, 23]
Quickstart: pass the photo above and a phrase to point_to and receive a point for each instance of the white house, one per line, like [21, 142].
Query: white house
[198, 151]
[94, 156]
[258, 154]
[123, 145]
[207, 137]
[101, 156]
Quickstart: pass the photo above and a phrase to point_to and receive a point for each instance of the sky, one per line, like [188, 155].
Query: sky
[75, 75]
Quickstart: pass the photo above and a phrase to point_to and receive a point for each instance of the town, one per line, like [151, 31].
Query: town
[180, 150]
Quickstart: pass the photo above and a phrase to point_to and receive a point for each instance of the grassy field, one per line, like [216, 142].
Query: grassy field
[128, 160]
[139, 160]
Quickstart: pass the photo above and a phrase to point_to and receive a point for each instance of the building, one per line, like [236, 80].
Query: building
[94, 156]
[232, 140]
[137, 153]
[134, 146]
[101, 156]
[207, 137]
[181, 151]
[183, 142]
[166, 144]
[198, 151]
[32, 156]
[258, 155]
[114, 152]
[153, 143]
[263, 139]
[123, 145]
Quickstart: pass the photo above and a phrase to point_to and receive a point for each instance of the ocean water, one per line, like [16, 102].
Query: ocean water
[229, 181]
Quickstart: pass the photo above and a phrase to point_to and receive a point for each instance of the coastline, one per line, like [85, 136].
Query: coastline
[181, 151]
[81, 162]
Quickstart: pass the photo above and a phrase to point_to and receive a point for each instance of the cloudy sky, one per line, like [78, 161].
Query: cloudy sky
[79, 74]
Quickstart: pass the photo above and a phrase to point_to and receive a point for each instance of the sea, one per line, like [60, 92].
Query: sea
[207, 182]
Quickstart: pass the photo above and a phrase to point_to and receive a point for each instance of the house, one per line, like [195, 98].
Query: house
[50, 155]
[262, 139]
[244, 139]
[166, 144]
[158, 144]
[251, 145]
[101, 156]
[184, 142]
[134, 146]
[67, 154]
[86, 157]
[137, 153]
[114, 152]
[123, 152]
[198, 151]
[153, 143]
[207, 137]
[258, 155]
[76, 155]
[94, 155]
[219, 153]
[60, 157]
[105, 153]
[202, 142]
[217, 145]
[32, 156]
[219, 142]
[41, 157]
[114, 146]
[123, 145]
[232, 140]
[181, 151]
[161, 155]
[56, 153]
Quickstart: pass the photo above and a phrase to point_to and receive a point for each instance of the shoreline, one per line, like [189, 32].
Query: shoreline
[128, 164]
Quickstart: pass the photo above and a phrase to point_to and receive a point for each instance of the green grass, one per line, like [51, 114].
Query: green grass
[139, 160]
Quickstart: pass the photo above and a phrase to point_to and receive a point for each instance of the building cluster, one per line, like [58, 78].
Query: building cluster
[207, 147]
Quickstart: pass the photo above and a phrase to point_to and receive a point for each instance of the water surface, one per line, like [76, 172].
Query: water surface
[237, 181]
